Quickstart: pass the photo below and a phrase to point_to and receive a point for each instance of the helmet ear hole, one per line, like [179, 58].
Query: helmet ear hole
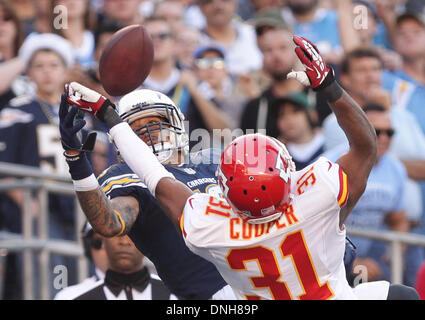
[263, 188]
[231, 178]
[245, 192]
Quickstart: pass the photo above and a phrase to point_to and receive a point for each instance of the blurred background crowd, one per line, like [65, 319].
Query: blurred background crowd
[224, 63]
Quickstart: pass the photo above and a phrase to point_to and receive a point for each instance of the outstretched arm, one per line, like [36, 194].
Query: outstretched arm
[360, 158]
[108, 217]
[170, 193]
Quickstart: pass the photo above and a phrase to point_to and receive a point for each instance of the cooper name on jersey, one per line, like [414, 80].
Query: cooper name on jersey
[242, 230]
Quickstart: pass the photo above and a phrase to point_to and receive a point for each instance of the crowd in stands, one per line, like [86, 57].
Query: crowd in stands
[224, 63]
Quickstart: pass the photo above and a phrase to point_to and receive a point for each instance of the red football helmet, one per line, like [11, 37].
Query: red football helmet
[255, 176]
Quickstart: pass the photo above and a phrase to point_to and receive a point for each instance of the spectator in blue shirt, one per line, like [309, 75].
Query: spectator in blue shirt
[409, 41]
[382, 205]
[362, 76]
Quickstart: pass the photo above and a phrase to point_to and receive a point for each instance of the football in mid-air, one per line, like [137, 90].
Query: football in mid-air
[126, 60]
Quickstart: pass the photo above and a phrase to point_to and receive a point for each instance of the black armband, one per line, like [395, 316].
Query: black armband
[333, 92]
[108, 114]
[330, 87]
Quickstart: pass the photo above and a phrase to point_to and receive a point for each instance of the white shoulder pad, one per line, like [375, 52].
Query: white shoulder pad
[202, 219]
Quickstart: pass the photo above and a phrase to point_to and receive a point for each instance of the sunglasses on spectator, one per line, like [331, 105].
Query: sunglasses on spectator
[205, 63]
[388, 132]
[161, 36]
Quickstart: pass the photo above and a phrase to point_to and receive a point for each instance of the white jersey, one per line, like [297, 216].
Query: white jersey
[298, 256]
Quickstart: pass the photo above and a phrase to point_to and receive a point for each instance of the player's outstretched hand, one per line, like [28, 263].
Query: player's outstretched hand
[87, 99]
[70, 126]
[317, 73]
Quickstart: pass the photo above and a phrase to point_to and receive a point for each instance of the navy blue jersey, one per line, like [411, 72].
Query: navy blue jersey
[29, 135]
[187, 275]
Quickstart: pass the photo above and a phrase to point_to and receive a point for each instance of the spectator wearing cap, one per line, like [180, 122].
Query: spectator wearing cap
[94, 251]
[29, 132]
[215, 81]
[259, 114]
[126, 278]
[248, 9]
[267, 19]
[409, 42]
[236, 37]
[298, 129]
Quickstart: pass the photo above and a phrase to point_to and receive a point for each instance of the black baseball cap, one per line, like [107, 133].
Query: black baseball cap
[299, 99]
[206, 48]
[268, 17]
[408, 14]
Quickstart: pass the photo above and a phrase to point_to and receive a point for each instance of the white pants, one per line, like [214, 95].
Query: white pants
[375, 290]
[225, 293]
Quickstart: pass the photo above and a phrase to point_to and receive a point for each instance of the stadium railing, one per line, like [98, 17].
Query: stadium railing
[31, 179]
[36, 240]
[396, 240]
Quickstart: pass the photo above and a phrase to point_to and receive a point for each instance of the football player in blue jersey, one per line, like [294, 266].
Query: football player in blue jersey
[158, 122]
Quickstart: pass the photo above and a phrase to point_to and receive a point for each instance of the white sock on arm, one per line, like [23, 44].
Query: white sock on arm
[138, 156]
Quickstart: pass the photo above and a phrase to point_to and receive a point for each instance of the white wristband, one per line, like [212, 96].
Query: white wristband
[86, 184]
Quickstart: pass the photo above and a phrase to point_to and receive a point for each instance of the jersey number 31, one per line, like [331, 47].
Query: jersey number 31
[293, 245]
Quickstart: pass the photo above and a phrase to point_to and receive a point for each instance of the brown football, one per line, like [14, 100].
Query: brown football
[126, 60]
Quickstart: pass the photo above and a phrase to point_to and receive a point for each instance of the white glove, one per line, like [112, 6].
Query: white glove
[300, 76]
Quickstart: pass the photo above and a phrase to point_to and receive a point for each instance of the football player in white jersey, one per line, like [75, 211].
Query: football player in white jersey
[278, 233]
